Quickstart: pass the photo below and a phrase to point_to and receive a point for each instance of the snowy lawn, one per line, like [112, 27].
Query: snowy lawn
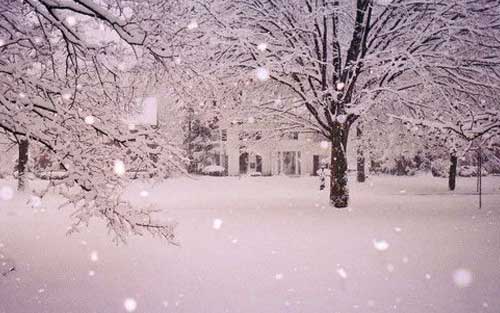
[265, 244]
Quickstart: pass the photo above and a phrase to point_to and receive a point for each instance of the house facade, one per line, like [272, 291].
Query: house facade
[254, 152]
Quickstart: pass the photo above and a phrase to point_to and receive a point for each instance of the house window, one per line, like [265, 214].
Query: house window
[254, 135]
[278, 165]
[217, 158]
[258, 135]
[214, 136]
[293, 135]
[299, 170]
[223, 134]
[243, 136]
[289, 163]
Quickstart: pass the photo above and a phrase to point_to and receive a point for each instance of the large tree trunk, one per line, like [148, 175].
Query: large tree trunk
[339, 192]
[360, 157]
[22, 162]
[452, 177]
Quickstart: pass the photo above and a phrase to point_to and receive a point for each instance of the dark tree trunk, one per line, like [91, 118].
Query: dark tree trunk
[452, 177]
[339, 192]
[361, 176]
[22, 161]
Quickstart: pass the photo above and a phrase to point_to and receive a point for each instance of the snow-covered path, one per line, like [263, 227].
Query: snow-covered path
[266, 245]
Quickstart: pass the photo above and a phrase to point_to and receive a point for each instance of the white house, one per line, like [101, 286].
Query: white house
[244, 150]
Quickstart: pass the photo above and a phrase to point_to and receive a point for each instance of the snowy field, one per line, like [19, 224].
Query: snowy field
[265, 245]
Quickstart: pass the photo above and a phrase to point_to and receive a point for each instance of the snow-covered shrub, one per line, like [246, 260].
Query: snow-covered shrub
[440, 167]
[469, 171]
[213, 170]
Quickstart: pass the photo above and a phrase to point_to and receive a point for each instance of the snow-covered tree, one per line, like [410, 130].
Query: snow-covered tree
[341, 58]
[68, 83]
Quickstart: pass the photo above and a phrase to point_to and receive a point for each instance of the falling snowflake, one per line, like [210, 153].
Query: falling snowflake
[380, 245]
[278, 276]
[177, 60]
[71, 20]
[22, 95]
[462, 277]
[119, 167]
[66, 95]
[428, 276]
[251, 120]
[397, 229]
[262, 73]
[89, 120]
[91, 273]
[262, 46]
[324, 144]
[144, 193]
[128, 12]
[342, 118]
[130, 304]
[192, 25]
[390, 268]
[94, 256]
[131, 126]
[6, 193]
[217, 223]
[35, 201]
[342, 273]
[340, 86]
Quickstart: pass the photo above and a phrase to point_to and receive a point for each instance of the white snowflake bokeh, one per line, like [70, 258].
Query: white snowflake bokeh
[217, 223]
[89, 119]
[462, 277]
[192, 25]
[380, 245]
[262, 74]
[6, 193]
[130, 304]
[71, 20]
[94, 256]
[262, 46]
[119, 167]
[342, 272]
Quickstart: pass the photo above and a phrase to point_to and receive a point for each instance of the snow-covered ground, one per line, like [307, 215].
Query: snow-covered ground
[264, 245]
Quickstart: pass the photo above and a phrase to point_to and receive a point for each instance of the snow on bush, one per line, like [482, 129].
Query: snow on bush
[214, 170]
